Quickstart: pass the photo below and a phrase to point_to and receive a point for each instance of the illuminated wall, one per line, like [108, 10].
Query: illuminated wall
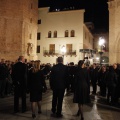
[18, 28]
[61, 21]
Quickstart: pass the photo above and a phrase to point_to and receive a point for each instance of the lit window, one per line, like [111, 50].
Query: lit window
[69, 48]
[52, 49]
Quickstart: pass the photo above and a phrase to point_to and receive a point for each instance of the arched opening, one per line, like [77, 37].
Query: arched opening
[55, 34]
[72, 33]
[66, 33]
[49, 34]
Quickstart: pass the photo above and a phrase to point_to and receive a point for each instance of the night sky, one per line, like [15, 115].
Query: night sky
[96, 11]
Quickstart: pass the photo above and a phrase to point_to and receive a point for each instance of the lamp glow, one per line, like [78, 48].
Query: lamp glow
[63, 49]
[101, 41]
[97, 58]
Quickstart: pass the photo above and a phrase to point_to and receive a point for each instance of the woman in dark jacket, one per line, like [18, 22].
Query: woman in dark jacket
[36, 84]
[82, 87]
[111, 83]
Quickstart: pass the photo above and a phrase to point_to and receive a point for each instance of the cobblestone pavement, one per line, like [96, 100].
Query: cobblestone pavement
[96, 110]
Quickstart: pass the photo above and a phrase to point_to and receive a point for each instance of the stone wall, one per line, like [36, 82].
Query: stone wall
[114, 31]
[18, 27]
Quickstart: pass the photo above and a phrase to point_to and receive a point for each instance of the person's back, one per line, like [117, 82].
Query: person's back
[19, 73]
[111, 82]
[81, 92]
[19, 76]
[94, 77]
[36, 81]
[111, 78]
[58, 78]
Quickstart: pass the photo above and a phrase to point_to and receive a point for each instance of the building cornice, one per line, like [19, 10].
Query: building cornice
[68, 11]
[113, 4]
[58, 12]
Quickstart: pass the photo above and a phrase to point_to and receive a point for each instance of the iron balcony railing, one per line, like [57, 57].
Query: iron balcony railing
[56, 52]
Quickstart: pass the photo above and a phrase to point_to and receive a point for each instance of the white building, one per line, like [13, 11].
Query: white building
[63, 30]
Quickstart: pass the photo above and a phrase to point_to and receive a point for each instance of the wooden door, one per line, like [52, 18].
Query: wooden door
[52, 48]
[69, 48]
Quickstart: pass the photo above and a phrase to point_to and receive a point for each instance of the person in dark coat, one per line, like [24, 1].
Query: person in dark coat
[94, 78]
[81, 92]
[117, 93]
[71, 70]
[3, 76]
[111, 82]
[36, 84]
[58, 81]
[102, 75]
[19, 75]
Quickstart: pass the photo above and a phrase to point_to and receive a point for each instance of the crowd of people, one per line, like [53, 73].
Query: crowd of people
[22, 77]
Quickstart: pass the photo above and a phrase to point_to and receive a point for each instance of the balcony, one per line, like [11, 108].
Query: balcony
[58, 53]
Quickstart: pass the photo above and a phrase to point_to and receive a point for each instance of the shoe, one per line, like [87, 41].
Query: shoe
[59, 115]
[82, 118]
[53, 115]
[78, 113]
[23, 111]
[33, 116]
[16, 111]
[53, 111]
[39, 112]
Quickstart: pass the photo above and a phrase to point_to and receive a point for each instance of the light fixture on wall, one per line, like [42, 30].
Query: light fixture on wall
[101, 44]
[63, 50]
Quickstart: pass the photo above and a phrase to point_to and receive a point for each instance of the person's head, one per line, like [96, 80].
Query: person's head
[103, 68]
[94, 65]
[25, 60]
[71, 64]
[111, 69]
[2, 60]
[81, 64]
[21, 59]
[36, 66]
[59, 60]
[115, 66]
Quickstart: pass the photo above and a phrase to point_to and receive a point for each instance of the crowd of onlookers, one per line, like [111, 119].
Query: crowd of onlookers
[105, 77]
[6, 82]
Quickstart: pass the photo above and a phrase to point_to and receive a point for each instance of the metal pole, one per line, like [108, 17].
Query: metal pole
[100, 57]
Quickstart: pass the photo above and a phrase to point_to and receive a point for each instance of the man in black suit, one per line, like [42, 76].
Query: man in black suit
[94, 78]
[19, 75]
[58, 83]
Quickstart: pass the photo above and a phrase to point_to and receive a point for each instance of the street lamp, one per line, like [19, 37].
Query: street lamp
[101, 44]
[63, 50]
